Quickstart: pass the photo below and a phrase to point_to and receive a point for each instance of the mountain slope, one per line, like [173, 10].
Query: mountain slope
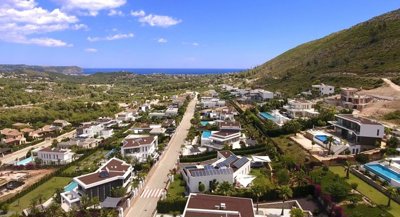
[365, 53]
[66, 70]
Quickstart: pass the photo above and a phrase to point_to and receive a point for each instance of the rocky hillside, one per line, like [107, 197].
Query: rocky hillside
[358, 57]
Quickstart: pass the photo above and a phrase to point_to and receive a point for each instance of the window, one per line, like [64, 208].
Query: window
[377, 132]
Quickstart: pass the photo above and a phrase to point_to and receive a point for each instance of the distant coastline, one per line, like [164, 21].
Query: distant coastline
[170, 71]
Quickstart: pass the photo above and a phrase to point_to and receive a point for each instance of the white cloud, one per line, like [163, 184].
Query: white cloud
[140, 13]
[91, 6]
[111, 37]
[20, 19]
[115, 13]
[48, 42]
[162, 40]
[91, 50]
[195, 44]
[155, 20]
[80, 26]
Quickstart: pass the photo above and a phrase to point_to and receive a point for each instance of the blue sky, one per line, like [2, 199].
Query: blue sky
[169, 33]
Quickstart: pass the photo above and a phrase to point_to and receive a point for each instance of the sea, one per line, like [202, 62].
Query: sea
[170, 71]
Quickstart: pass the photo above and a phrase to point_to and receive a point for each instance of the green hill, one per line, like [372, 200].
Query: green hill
[356, 57]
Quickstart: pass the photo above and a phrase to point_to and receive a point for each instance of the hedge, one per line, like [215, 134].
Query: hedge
[171, 205]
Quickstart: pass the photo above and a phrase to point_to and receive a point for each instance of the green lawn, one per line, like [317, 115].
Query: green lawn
[46, 191]
[89, 163]
[177, 188]
[291, 149]
[373, 194]
[362, 210]
[262, 177]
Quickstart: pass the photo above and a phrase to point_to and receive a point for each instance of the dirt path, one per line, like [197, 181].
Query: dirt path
[391, 84]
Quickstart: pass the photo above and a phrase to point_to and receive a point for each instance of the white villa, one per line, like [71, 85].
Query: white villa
[297, 108]
[55, 156]
[324, 89]
[140, 147]
[227, 168]
[115, 173]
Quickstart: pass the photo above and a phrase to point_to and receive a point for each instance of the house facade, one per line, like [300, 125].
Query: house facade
[225, 169]
[350, 99]
[324, 89]
[140, 148]
[115, 173]
[360, 132]
[300, 109]
[55, 156]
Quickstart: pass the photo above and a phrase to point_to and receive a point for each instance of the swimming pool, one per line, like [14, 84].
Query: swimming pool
[383, 172]
[204, 123]
[206, 134]
[25, 161]
[322, 138]
[71, 186]
[267, 115]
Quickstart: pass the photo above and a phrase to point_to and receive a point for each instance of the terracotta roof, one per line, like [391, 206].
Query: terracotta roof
[136, 142]
[114, 168]
[226, 154]
[229, 124]
[202, 205]
[10, 132]
[27, 130]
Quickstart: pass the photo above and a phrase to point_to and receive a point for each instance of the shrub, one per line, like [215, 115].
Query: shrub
[354, 185]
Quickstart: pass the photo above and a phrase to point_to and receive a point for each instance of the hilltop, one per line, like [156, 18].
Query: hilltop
[357, 57]
[66, 70]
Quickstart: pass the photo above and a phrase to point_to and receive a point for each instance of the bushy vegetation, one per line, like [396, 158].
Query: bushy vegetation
[355, 57]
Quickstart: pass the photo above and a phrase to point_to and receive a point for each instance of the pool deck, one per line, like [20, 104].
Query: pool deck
[315, 150]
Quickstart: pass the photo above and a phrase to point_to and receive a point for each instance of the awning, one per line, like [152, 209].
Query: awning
[245, 180]
[262, 159]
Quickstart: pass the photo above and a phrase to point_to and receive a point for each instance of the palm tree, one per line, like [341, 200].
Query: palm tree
[285, 192]
[347, 165]
[329, 140]
[257, 191]
[391, 193]
[225, 188]
[298, 178]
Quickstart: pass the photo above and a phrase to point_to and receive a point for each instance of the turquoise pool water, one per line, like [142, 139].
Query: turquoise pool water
[204, 123]
[25, 161]
[383, 172]
[206, 134]
[322, 138]
[267, 115]
[71, 186]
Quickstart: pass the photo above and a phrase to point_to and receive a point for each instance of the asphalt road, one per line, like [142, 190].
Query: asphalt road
[145, 204]
[22, 153]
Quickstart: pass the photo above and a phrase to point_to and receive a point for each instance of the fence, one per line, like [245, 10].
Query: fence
[372, 183]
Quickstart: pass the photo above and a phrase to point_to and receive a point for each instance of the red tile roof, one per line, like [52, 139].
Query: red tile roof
[136, 142]
[202, 205]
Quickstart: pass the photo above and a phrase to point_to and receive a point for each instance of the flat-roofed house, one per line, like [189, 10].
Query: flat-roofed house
[323, 89]
[299, 108]
[351, 99]
[204, 205]
[361, 133]
[225, 169]
[55, 156]
[140, 148]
